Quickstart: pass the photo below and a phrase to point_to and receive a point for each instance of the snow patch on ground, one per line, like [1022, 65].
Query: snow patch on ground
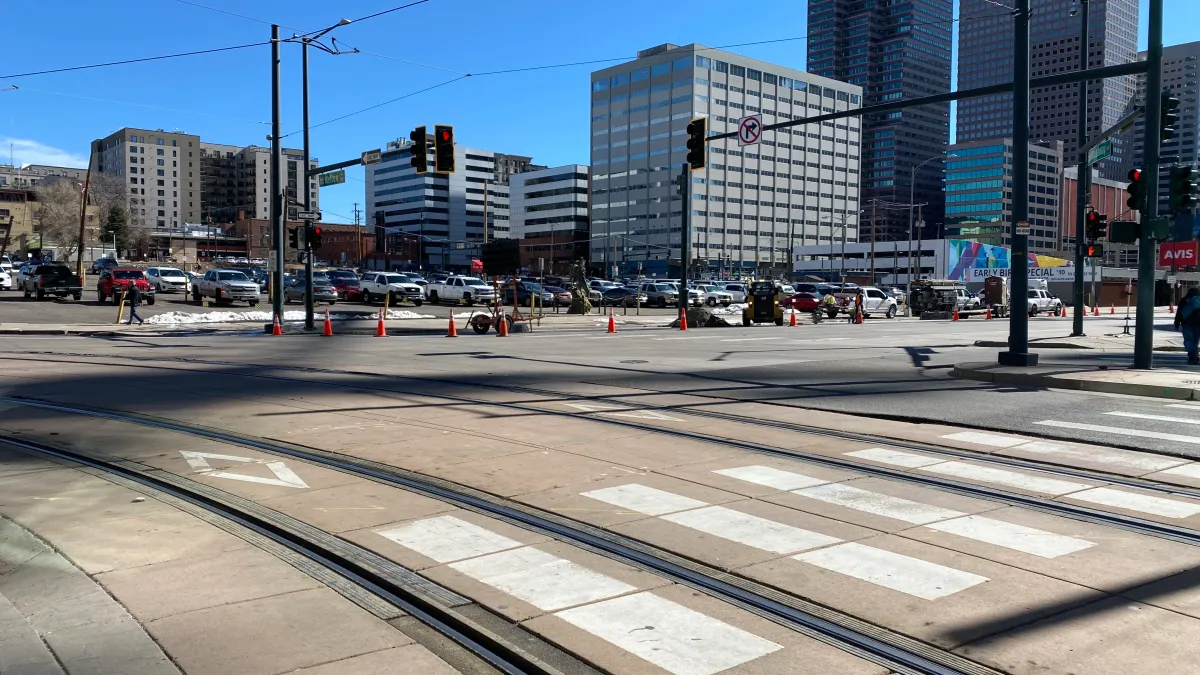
[734, 309]
[185, 318]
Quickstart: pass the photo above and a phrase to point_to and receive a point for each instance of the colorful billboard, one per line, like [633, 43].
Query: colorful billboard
[971, 261]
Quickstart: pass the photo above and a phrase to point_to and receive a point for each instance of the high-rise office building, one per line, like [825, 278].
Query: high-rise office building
[894, 51]
[979, 193]
[446, 213]
[549, 209]
[985, 57]
[1181, 77]
[750, 205]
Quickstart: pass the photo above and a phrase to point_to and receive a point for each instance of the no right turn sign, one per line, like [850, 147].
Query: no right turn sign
[750, 130]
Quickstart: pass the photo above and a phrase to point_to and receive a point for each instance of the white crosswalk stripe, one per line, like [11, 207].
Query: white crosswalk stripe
[1158, 435]
[878, 504]
[770, 477]
[1133, 501]
[1137, 461]
[895, 457]
[1155, 418]
[759, 533]
[891, 570]
[974, 472]
[644, 499]
[685, 641]
[1016, 537]
[919, 578]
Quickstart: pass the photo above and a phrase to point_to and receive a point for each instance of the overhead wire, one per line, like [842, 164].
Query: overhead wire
[138, 60]
[143, 105]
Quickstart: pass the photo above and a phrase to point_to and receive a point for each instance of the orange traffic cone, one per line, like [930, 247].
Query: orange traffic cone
[327, 329]
[954, 316]
[987, 315]
[612, 322]
[452, 331]
[683, 320]
[1095, 310]
[1112, 309]
[380, 329]
[1170, 307]
[502, 327]
[859, 318]
[792, 322]
[276, 329]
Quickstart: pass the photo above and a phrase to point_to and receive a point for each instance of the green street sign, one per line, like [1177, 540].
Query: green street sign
[1101, 151]
[332, 178]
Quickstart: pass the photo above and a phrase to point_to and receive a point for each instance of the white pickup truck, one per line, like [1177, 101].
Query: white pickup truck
[467, 290]
[376, 285]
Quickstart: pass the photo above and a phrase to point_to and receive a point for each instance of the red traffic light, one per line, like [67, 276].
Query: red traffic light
[1092, 217]
[317, 230]
[446, 134]
[1135, 174]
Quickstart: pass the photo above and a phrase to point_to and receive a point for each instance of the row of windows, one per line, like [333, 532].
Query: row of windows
[706, 63]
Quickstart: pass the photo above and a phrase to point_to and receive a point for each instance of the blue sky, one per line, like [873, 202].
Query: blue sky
[225, 97]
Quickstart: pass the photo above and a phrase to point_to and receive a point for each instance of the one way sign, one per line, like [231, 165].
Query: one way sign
[750, 130]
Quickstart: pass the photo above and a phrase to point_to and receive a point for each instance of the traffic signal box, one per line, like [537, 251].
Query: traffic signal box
[443, 148]
[313, 236]
[697, 131]
[1136, 189]
[1097, 226]
[1184, 180]
[420, 160]
[1169, 117]
[1094, 250]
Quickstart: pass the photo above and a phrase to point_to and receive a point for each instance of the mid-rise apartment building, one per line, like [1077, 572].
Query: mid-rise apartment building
[237, 182]
[446, 214]
[799, 185]
[27, 177]
[894, 51]
[985, 57]
[549, 214]
[161, 170]
[979, 193]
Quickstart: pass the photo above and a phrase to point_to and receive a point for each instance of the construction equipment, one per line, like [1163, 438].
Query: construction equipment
[763, 304]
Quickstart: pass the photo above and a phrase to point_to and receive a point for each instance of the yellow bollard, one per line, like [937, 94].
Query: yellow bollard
[121, 308]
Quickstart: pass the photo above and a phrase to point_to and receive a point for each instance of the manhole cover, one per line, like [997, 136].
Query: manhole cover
[635, 361]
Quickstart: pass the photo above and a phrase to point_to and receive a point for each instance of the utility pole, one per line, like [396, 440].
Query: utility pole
[874, 203]
[485, 210]
[87, 182]
[1143, 340]
[1083, 184]
[277, 212]
[920, 231]
[684, 243]
[1018, 339]
[358, 250]
[302, 183]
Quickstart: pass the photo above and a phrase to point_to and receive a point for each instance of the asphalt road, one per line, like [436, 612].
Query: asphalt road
[895, 369]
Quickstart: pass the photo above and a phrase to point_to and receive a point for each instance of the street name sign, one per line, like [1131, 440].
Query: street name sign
[372, 157]
[309, 215]
[1101, 151]
[332, 178]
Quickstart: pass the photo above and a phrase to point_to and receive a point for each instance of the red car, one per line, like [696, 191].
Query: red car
[802, 302]
[113, 284]
[347, 289]
[562, 297]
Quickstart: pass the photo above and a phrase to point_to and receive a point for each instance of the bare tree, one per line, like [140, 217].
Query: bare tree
[57, 214]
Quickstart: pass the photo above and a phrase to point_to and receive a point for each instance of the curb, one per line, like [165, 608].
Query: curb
[1064, 345]
[1058, 382]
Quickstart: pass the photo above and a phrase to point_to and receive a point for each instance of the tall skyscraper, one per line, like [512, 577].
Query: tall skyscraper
[894, 51]
[1181, 77]
[985, 55]
[751, 204]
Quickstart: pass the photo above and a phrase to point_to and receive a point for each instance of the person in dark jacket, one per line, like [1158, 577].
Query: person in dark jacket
[1187, 319]
[134, 297]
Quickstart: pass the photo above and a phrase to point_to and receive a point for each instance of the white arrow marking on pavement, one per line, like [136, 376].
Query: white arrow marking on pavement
[285, 477]
[618, 412]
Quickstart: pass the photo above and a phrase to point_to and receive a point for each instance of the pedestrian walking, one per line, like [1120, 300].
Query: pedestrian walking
[134, 297]
[1187, 319]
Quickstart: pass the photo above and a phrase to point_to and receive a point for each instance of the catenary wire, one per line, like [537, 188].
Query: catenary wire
[138, 60]
[142, 105]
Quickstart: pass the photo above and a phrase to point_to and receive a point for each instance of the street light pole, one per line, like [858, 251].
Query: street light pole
[1083, 182]
[912, 187]
[276, 206]
[302, 176]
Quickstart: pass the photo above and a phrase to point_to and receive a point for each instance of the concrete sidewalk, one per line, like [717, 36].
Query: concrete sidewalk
[1159, 383]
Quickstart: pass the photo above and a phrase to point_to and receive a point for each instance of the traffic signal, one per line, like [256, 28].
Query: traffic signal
[420, 160]
[314, 237]
[443, 148]
[697, 131]
[1097, 226]
[1184, 181]
[294, 237]
[1123, 231]
[1169, 116]
[1136, 189]
[1094, 251]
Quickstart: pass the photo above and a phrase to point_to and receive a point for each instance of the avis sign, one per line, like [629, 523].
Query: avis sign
[1178, 253]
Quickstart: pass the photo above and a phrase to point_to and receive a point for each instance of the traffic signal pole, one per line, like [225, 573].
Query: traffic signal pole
[277, 213]
[685, 181]
[1018, 319]
[1143, 339]
[309, 323]
[1083, 185]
